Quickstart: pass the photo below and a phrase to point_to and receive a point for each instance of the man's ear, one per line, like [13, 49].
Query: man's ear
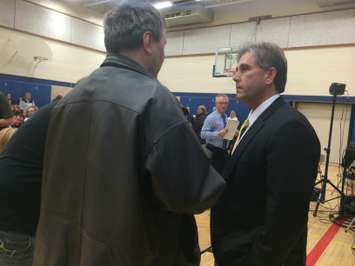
[270, 75]
[147, 42]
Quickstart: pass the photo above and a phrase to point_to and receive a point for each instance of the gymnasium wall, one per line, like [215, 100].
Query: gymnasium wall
[320, 49]
[310, 72]
[68, 63]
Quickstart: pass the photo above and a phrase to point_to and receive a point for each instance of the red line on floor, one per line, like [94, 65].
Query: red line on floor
[322, 244]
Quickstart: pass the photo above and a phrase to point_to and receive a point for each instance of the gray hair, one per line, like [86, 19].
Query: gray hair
[221, 95]
[269, 55]
[126, 23]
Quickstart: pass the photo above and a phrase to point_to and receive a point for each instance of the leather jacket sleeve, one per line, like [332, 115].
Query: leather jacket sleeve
[182, 177]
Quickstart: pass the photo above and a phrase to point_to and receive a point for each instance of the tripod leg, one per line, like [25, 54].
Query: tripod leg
[350, 225]
[318, 182]
[318, 203]
[335, 187]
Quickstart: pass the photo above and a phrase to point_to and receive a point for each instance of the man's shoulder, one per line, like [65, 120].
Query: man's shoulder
[286, 113]
[212, 115]
[159, 89]
[288, 117]
[132, 91]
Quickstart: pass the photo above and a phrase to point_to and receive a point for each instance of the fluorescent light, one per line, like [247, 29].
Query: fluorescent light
[164, 4]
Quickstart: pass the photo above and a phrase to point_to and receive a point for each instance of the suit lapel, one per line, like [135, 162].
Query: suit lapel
[243, 144]
[250, 135]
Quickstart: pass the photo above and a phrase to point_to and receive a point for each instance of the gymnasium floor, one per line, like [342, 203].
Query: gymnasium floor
[337, 249]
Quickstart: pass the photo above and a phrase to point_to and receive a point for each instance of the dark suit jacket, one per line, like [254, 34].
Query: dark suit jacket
[270, 177]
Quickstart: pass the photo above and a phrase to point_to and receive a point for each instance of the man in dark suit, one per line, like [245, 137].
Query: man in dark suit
[261, 219]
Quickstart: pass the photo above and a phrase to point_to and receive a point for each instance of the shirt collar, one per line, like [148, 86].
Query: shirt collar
[254, 114]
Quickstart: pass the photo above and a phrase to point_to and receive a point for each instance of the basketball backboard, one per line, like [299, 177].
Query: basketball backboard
[225, 62]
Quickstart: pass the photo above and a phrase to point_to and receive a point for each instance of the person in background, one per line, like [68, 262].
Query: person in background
[15, 108]
[5, 136]
[58, 97]
[5, 111]
[26, 101]
[21, 165]
[6, 116]
[9, 97]
[123, 170]
[213, 132]
[18, 114]
[261, 219]
[233, 115]
[186, 112]
[30, 112]
[199, 119]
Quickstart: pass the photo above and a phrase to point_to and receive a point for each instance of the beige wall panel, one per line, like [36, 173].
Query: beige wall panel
[311, 71]
[42, 21]
[206, 40]
[7, 13]
[274, 30]
[175, 43]
[59, 90]
[68, 64]
[243, 32]
[193, 74]
[243, 10]
[319, 116]
[325, 28]
[87, 34]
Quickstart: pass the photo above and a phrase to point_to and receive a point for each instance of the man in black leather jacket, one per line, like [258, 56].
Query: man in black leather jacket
[123, 170]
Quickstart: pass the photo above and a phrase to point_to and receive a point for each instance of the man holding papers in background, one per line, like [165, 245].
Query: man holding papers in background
[214, 131]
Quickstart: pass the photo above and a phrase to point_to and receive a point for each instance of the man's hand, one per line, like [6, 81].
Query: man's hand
[17, 121]
[223, 132]
[7, 122]
[12, 121]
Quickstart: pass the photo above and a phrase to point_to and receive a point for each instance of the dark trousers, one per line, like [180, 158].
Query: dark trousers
[219, 157]
[298, 254]
[16, 249]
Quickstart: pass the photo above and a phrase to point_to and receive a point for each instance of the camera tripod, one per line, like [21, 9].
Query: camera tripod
[324, 180]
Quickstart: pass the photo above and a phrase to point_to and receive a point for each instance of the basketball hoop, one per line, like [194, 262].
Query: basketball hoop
[225, 62]
[230, 70]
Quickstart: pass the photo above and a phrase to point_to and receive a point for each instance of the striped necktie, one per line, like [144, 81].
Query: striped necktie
[241, 133]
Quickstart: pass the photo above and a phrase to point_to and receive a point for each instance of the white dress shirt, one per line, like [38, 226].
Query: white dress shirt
[254, 114]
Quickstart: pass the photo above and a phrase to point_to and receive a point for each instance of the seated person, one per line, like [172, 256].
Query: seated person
[30, 112]
[5, 135]
[6, 116]
[198, 121]
[26, 101]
